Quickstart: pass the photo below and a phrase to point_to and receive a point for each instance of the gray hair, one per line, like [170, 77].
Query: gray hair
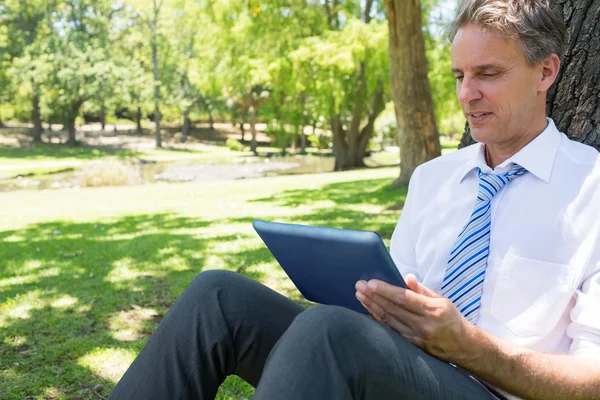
[539, 29]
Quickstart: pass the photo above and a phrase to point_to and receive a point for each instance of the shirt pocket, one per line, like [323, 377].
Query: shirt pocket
[530, 295]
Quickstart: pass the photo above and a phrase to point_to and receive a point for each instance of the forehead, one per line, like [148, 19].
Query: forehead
[472, 47]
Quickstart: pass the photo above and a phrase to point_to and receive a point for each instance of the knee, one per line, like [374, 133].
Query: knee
[209, 284]
[213, 279]
[336, 325]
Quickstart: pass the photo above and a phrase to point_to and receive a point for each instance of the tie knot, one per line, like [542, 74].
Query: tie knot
[490, 184]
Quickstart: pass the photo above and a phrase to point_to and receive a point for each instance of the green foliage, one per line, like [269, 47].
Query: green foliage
[234, 145]
[443, 87]
[292, 63]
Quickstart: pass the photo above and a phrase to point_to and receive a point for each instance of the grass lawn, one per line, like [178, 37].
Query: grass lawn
[51, 152]
[47, 158]
[86, 275]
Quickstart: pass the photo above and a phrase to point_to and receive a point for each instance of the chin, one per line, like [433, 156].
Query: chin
[484, 134]
[480, 135]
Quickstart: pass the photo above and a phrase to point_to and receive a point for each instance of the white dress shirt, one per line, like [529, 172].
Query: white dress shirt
[542, 282]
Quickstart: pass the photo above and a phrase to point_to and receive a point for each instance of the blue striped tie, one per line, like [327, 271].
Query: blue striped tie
[465, 271]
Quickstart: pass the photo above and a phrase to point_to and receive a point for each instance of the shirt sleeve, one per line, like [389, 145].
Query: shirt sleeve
[402, 246]
[584, 328]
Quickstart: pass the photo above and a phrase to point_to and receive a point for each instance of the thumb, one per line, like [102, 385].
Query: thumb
[417, 287]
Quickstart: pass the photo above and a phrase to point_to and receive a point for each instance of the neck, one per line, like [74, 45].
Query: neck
[497, 153]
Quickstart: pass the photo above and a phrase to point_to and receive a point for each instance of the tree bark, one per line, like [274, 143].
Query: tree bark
[70, 125]
[252, 111]
[349, 145]
[573, 102]
[242, 131]
[35, 115]
[211, 121]
[103, 116]
[418, 135]
[157, 114]
[186, 124]
[138, 120]
[340, 148]
[302, 140]
[367, 131]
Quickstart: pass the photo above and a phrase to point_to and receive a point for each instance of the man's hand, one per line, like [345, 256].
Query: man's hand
[422, 316]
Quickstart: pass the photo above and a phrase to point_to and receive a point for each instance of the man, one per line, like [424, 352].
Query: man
[499, 244]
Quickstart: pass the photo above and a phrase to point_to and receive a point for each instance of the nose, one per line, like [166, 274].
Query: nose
[468, 91]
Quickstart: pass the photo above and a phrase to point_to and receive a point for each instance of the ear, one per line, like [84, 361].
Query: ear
[549, 71]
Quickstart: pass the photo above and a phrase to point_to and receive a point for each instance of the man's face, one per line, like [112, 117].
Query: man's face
[496, 88]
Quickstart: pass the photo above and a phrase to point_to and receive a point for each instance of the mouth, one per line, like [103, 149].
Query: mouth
[478, 116]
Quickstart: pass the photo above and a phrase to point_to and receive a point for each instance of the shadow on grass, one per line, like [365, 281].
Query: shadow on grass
[76, 296]
[43, 151]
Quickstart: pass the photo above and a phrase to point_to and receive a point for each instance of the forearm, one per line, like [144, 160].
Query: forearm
[529, 374]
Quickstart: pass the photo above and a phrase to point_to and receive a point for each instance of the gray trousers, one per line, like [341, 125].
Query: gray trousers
[225, 323]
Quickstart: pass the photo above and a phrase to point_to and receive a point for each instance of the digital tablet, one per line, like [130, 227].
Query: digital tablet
[325, 263]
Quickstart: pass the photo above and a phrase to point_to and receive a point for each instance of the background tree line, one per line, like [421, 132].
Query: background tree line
[291, 64]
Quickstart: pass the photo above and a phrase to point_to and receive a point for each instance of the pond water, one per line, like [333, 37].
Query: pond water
[145, 173]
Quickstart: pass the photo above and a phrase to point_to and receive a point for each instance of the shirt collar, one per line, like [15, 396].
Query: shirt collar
[537, 156]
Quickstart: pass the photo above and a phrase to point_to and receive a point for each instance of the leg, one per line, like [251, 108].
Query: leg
[223, 324]
[333, 353]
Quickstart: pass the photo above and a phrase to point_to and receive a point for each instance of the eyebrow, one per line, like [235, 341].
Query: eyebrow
[479, 67]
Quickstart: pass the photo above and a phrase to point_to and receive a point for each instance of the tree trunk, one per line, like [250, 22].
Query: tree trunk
[294, 141]
[102, 117]
[340, 147]
[35, 116]
[186, 124]
[418, 136]
[243, 131]
[157, 125]
[70, 125]
[282, 136]
[350, 145]
[156, 76]
[253, 144]
[302, 140]
[138, 120]
[211, 122]
[573, 102]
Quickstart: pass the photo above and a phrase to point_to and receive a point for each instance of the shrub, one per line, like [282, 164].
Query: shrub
[108, 173]
[234, 145]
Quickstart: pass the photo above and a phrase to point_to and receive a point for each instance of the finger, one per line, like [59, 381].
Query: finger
[405, 298]
[416, 286]
[406, 331]
[405, 316]
[376, 310]
[389, 320]
[373, 308]
[361, 286]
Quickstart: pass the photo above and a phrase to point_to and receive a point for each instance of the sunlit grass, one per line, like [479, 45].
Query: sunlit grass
[87, 274]
[108, 363]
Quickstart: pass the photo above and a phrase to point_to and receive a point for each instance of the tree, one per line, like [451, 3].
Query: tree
[351, 70]
[573, 102]
[76, 58]
[5, 80]
[24, 18]
[418, 136]
[154, 41]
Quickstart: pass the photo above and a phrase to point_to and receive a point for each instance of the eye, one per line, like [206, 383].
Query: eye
[459, 78]
[490, 75]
